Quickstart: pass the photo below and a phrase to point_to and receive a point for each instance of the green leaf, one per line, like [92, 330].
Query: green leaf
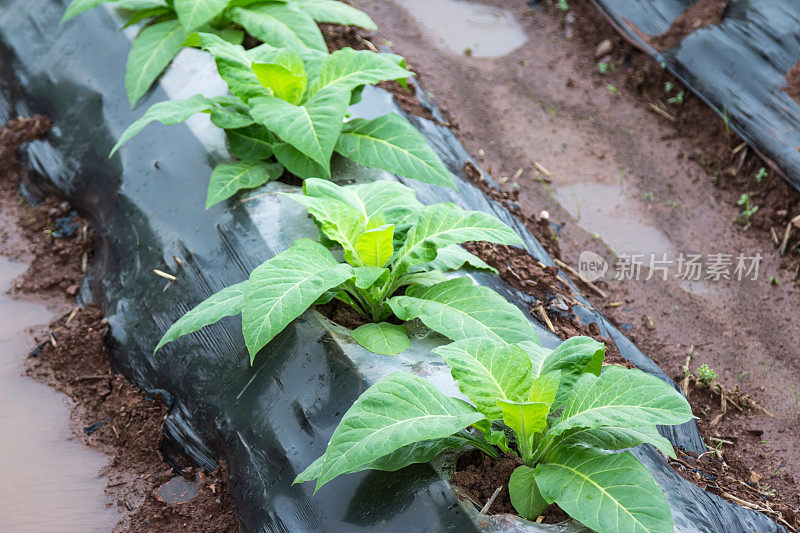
[392, 202]
[252, 143]
[572, 358]
[460, 310]
[374, 246]
[347, 69]
[226, 302]
[280, 25]
[391, 143]
[311, 128]
[382, 338]
[544, 388]
[336, 13]
[233, 65]
[229, 178]
[367, 276]
[423, 279]
[399, 410]
[524, 418]
[284, 75]
[298, 163]
[151, 52]
[487, 371]
[618, 439]
[454, 257]
[195, 13]
[525, 495]
[337, 221]
[622, 397]
[282, 288]
[417, 452]
[144, 14]
[606, 492]
[169, 113]
[79, 6]
[228, 118]
[440, 225]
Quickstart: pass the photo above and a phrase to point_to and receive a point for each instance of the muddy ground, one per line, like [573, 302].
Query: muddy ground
[108, 413]
[624, 178]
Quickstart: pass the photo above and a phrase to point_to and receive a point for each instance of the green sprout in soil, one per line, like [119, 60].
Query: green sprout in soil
[649, 196]
[672, 203]
[563, 5]
[749, 210]
[715, 177]
[762, 173]
[677, 99]
[706, 374]
[612, 88]
[602, 67]
[668, 87]
[773, 281]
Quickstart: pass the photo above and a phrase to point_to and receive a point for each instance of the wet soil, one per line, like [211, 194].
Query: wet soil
[588, 148]
[108, 413]
[793, 83]
[698, 15]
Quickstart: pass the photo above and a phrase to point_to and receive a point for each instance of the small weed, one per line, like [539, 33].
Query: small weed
[602, 67]
[715, 177]
[563, 5]
[677, 99]
[649, 196]
[706, 374]
[668, 87]
[749, 210]
[743, 374]
[672, 203]
[773, 281]
[612, 88]
[796, 395]
[762, 173]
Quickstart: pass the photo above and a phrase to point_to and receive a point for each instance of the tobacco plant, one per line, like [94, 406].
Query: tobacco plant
[169, 25]
[287, 109]
[395, 252]
[568, 417]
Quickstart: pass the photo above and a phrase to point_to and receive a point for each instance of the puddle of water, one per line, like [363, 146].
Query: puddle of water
[50, 483]
[605, 210]
[456, 26]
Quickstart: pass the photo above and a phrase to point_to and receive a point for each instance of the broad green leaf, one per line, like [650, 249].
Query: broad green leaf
[524, 418]
[418, 452]
[460, 310]
[544, 388]
[222, 49]
[487, 371]
[393, 202]
[572, 358]
[135, 5]
[606, 492]
[195, 13]
[337, 221]
[495, 437]
[374, 246]
[252, 143]
[283, 287]
[391, 143]
[151, 52]
[226, 302]
[423, 279]
[280, 25]
[525, 495]
[169, 113]
[622, 397]
[298, 163]
[229, 178]
[145, 14]
[233, 65]
[399, 410]
[347, 69]
[311, 128]
[79, 6]
[454, 257]
[440, 225]
[367, 276]
[336, 12]
[382, 338]
[618, 439]
[228, 118]
[284, 75]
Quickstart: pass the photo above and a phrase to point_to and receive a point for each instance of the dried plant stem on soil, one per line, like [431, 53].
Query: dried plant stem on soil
[110, 414]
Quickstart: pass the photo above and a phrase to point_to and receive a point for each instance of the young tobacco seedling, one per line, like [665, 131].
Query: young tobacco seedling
[169, 25]
[389, 241]
[287, 110]
[566, 417]
[706, 374]
[748, 211]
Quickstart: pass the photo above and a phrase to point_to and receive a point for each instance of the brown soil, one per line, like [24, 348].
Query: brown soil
[698, 15]
[342, 314]
[793, 82]
[108, 412]
[545, 109]
[477, 477]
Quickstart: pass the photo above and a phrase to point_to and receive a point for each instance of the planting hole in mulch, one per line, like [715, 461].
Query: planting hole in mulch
[698, 15]
[793, 83]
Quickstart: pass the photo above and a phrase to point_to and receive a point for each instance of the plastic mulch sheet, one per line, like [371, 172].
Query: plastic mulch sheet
[271, 420]
[737, 67]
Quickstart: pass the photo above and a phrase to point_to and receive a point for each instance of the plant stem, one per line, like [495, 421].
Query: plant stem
[480, 444]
